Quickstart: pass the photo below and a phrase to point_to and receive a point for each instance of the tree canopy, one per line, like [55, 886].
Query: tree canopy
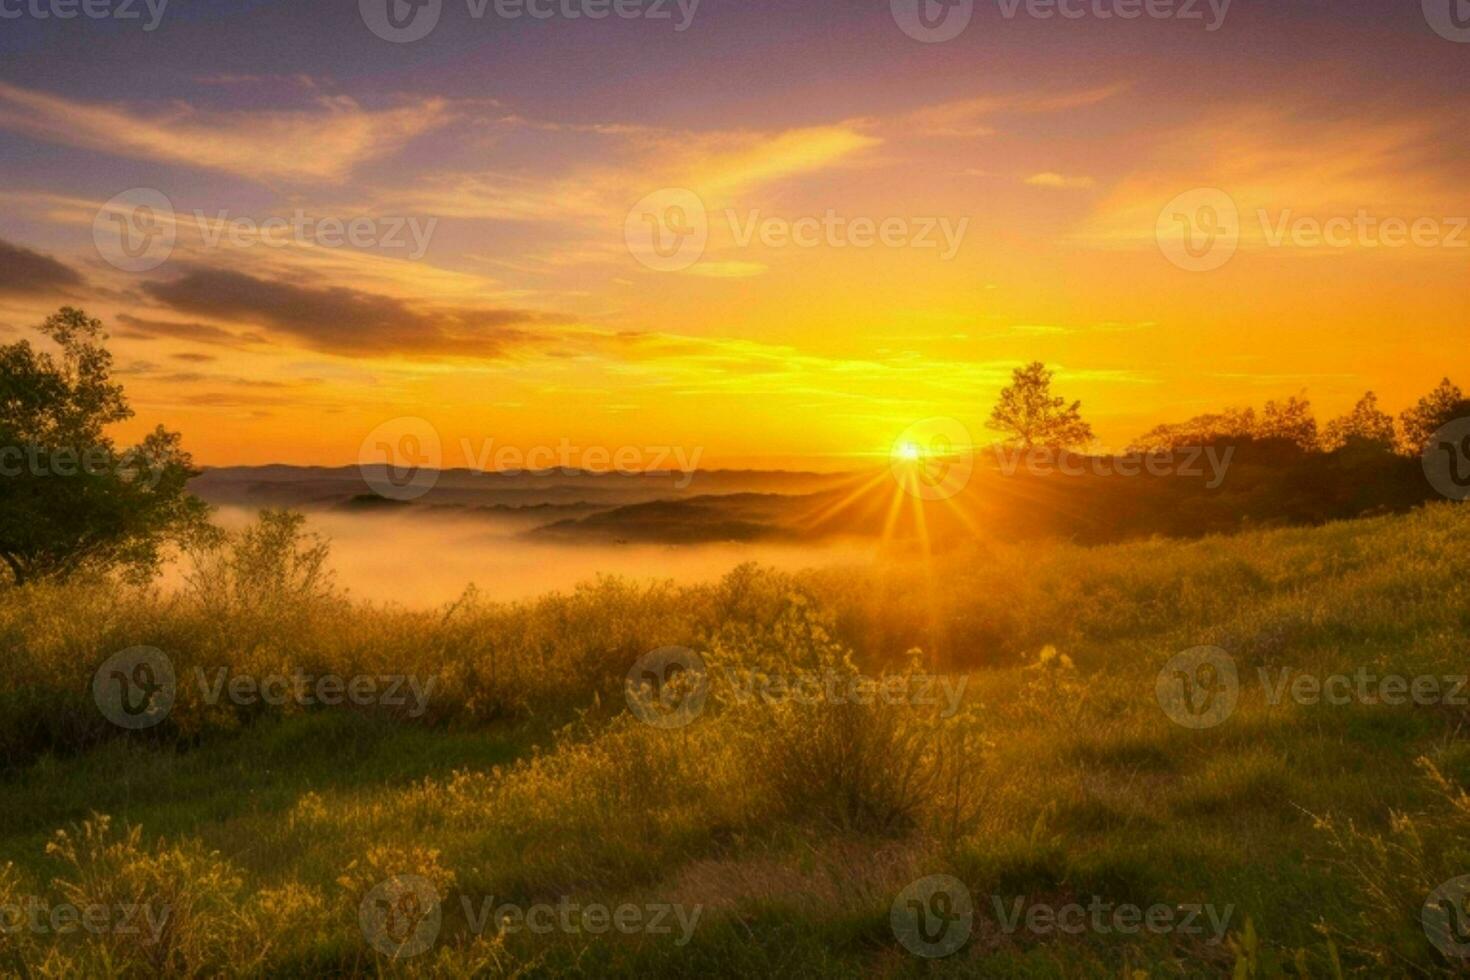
[1032, 417]
[70, 500]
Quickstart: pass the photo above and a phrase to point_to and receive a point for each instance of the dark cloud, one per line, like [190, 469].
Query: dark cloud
[203, 333]
[346, 321]
[194, 358]
[222, 399]
[24, 272]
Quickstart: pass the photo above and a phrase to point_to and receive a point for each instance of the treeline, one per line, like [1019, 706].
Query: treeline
[1367, 426]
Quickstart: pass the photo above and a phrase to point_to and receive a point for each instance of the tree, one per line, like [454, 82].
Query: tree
[1031, 417]
[69, 499]
[1366, 425]
[1433, 412]
[1291, 421]
[1231, 425]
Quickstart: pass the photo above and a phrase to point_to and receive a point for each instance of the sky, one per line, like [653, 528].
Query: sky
[769, 233]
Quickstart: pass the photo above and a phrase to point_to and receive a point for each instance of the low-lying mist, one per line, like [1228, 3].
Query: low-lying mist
[422, 560]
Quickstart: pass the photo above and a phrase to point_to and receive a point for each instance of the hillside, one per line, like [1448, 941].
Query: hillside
[1304, 831]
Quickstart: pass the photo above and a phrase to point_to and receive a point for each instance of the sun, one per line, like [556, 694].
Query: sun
[907, 451]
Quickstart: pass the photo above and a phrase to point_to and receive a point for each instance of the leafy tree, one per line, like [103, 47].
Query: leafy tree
[1434, 411]
[69, 499]
[1365, 425]
[1231, 425]
[1032, 417]
[1291, 421]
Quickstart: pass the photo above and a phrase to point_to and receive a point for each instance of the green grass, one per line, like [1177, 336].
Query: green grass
[794, 827]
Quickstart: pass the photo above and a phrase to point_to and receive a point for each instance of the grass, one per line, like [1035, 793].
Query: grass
[791, 826]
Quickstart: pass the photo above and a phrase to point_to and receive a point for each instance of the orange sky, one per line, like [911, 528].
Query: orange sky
[1047, 151]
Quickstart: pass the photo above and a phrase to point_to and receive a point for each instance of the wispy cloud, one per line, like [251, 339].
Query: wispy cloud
[1275, 159]
[324, 141]
[1059, 181]
[973, 117]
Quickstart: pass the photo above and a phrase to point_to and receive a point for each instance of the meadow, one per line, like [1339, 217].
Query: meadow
[769, 834]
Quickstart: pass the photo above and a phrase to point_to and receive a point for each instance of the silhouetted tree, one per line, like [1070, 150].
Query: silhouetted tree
[1291, 421]
[1434, 411]
[1366, 425]
[1032, 417]
[1231, 425]
[69, 499]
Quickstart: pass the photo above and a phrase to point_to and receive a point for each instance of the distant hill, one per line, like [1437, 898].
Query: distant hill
[1102, 499]
[470, 491]
[1082, 498]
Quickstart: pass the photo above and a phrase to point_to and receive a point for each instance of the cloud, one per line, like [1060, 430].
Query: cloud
[728, 270]
[25, 272]
[1059, 181]
[718, 166]
[345, 321]
[1275, 160]
[203, 333]
[323, 142]
[727, 163]
[964, 117]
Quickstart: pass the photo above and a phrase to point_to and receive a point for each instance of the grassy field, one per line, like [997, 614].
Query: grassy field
[774, 833]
